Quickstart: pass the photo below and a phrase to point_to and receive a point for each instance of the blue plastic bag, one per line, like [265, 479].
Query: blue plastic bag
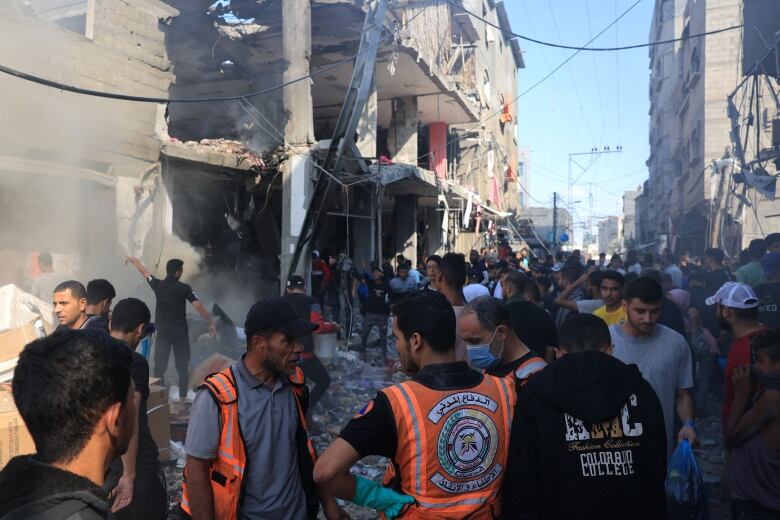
[684, 485]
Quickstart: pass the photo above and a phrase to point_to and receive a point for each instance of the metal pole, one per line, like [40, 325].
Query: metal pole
[555, 222]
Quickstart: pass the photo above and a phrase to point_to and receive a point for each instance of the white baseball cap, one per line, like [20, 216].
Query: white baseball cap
[736, 295]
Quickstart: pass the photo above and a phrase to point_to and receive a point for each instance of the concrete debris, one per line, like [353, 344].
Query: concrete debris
[242, 157]
[354, 383]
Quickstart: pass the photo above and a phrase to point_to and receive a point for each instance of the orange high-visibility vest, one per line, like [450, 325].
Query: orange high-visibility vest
[527, 369]
[227, 469]
[452, 447]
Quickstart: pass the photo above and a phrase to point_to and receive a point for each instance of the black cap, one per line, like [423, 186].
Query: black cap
[276, 314]
[296, 282]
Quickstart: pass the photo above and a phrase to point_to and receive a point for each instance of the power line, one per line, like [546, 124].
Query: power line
[560, 96]
[592, 49]
[571, 76]
[532, 87]
[146, 99]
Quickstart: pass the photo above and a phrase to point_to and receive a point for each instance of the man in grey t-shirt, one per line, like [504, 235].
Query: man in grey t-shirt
[662, 355]
[277, 480]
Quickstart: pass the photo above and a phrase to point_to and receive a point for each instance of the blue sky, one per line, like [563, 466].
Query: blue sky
[599, 99]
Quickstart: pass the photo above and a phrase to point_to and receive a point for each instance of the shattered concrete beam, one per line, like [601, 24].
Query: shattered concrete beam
[205, 154]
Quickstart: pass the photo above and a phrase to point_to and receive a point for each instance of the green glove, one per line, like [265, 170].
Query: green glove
[372, 494]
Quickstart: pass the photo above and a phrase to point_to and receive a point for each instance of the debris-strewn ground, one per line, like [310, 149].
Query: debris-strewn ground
[355, 381]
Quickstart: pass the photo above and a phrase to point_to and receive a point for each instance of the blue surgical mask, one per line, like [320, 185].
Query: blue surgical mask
[481, 356]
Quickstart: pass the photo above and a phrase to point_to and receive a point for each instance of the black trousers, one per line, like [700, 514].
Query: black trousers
[314, 369]
[150, 499]
[180, 342]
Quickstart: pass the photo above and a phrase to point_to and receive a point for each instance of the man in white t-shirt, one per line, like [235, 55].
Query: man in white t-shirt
[474, 289]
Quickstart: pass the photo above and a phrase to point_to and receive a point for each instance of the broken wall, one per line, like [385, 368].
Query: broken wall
[62, 153]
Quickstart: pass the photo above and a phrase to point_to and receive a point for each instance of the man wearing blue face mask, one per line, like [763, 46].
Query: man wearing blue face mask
[492, 344]
[450, 417]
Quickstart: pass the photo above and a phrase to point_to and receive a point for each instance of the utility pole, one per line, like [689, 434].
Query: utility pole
[555, 222]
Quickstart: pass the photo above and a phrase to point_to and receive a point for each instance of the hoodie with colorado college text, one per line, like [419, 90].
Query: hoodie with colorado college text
[588, 441]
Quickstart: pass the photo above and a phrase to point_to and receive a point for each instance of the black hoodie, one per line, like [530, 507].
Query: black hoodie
[30, 489]
[588, 441]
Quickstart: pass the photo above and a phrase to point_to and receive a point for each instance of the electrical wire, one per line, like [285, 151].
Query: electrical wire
[573, 81]
[539, 82]
[146, 99]
[585, 47]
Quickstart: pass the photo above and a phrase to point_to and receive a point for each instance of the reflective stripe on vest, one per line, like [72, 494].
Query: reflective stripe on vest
[527, 369]
[227, 469]
[452, 447]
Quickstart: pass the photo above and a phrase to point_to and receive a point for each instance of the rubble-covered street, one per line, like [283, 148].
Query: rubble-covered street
[354, 381]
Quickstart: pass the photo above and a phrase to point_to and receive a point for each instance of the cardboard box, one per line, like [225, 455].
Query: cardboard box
[158, 413]
[14, 437]
[12, 341]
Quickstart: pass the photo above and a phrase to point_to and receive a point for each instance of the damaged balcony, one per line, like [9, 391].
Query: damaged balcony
[235, 47]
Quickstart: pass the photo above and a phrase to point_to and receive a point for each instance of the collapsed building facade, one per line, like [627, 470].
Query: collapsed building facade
[696, 195]
[370, 128]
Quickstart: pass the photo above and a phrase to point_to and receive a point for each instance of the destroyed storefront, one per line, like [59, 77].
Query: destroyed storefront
[242, 175]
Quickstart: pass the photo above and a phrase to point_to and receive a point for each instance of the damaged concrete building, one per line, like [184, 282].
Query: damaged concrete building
[370, 128]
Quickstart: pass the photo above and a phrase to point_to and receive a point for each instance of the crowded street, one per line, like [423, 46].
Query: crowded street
[389, 259]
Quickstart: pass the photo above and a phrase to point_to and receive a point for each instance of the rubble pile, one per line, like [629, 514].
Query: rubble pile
[354, 383]
[226, 147]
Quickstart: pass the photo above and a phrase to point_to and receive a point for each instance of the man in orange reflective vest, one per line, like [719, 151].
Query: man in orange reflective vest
[248, 449]
[445, 431]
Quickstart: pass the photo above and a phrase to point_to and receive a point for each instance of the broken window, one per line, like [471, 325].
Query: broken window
[73, 15]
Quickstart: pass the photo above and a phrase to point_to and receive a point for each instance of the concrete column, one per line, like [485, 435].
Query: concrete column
[298, 132]
[437, 146]
[402, 134]
[366, 130]
[296, 196]
[406, 226]
[436, 238]
[296, 46]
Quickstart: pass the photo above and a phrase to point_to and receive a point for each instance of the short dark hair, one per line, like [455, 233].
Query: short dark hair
[745, 314]
[453, 269]
[76, 288]
[517, 280]
[128, 314]
[402, 267]
[769, 341]
[757, 248]
[595, 278]
[174, 266]
[45, 259]
[64, 383]
[716, 254]
[614, 276]
[644, 288]
[532, 288]
[429, 314]
[653, 274]
[99, 290]
[771, 238]
[490, 312]
[583, 332]
[572, 271]
[434, 258]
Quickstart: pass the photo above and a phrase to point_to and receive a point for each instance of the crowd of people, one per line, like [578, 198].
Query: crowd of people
[545, 388]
